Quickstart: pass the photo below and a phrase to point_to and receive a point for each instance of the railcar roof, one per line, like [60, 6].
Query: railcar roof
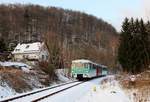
[82, 61]
[87, 61]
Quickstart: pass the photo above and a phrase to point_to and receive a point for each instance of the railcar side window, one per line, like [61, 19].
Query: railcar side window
[86, 65]
[91, 66]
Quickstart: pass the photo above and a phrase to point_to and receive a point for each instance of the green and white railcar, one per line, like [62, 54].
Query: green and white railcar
[87, 69]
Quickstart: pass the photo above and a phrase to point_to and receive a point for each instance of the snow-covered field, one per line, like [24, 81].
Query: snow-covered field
[92, 91]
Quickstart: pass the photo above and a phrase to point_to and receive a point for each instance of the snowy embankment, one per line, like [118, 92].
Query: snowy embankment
[16, 82]
[5, 90]
[19, 65]
[104, 89]
[62, 75]
[139, 89]
[16, 78]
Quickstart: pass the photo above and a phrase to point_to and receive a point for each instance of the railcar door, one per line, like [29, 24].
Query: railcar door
[97, 71]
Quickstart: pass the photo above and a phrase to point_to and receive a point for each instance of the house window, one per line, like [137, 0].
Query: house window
[46, 57]
[27, 46]
[17, 50]
[42, 57]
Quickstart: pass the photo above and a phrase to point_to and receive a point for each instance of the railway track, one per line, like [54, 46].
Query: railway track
[36, 100]
[43, 93]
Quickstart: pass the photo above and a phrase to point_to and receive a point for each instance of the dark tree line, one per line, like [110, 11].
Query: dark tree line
[2, 46]
[79, 34]
[134, 49]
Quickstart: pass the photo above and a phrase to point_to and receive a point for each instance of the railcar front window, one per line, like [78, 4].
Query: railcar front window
[78, 65]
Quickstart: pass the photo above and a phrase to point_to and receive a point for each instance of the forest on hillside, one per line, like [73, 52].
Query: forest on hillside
[78, 35]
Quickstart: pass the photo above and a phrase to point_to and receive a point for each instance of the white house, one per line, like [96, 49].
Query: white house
[30, 51]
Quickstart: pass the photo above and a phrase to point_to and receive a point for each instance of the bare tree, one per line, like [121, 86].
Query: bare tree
[54, 48]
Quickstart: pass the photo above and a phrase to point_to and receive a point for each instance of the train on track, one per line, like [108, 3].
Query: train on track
[82, 68]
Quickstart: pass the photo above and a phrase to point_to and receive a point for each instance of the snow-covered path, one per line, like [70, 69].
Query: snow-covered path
[92, 91]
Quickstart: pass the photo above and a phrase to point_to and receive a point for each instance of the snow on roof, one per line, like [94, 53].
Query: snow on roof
[7, 64]
[24, 67]
[27, 47]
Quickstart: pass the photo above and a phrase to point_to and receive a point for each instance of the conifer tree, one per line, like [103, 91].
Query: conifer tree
[145, 47]
[134, 49]
[123, 48]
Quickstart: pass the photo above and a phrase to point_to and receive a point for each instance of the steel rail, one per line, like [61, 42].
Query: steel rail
[31, 93]
[51, 94]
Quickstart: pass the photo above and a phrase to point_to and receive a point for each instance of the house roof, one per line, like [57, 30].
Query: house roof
[27, 48]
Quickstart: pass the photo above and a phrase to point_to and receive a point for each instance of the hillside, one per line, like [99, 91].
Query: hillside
[81, 35]
[26, 81]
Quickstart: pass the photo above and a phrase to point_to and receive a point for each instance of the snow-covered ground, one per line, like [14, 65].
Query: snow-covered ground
[92, 91]
[62, 75]
[5, 90]
[104, 89]
[47, 92]
[19, 65]
[141, 94]
[31, 80]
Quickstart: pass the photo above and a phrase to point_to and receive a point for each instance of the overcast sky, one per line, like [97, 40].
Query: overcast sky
[112, 11]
